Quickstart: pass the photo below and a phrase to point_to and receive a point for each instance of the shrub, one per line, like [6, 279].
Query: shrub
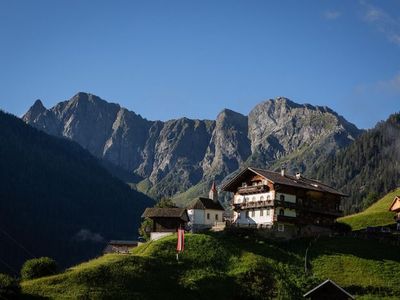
[38, 267]
[9, 287]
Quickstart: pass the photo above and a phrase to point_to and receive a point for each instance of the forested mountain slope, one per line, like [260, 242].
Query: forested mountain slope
[369, 167]
[57, 200]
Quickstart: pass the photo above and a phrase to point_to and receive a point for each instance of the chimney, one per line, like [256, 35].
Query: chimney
[283, 171]
[298, 175]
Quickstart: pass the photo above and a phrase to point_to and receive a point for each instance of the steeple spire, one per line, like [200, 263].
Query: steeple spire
[213, 194]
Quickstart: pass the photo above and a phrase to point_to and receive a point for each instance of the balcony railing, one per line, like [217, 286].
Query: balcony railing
[322, 211]
[286, 204]
[265, 203]
[254, 204]
[281, 218]
[244, 190]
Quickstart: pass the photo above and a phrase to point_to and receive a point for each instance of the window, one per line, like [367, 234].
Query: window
[244, 184]
[281, 227]
[253, 213]
[216, 217]
[281, 212]
[253, 199]
[282, 197]
[262, 198]
[268, 197]
[267, 211]
[247, 214]
[208, 216]
[261, 212]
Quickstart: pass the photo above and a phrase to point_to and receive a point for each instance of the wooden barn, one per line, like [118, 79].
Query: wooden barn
[166, 220]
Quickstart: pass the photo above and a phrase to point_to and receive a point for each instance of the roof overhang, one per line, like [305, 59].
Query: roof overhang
[236, 181]
[395, 206]
[328, 281]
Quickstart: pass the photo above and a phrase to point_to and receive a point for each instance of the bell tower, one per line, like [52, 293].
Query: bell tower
[213, 194]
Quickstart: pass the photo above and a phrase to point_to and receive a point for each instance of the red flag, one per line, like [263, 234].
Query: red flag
[180, 246]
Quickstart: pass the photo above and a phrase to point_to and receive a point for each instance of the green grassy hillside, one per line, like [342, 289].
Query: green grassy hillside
[224, 266]
[377, 214]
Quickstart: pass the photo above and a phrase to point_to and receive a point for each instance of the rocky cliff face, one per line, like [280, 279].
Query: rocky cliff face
[178, 154]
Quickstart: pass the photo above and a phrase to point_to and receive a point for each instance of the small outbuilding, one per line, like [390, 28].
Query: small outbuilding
[328, 290]
[166, 220]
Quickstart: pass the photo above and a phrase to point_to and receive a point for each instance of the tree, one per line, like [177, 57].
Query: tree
[370, 199]
[38, 267]
[165, 202]
[9, 287]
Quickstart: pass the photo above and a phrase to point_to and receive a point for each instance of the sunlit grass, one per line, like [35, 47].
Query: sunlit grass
[377, 214]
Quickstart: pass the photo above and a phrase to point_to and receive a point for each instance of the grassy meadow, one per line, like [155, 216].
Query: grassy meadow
[227, 266]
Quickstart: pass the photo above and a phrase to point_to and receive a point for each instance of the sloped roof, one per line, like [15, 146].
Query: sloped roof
[165, 212]
[325, 283]
[395, 206]
[277, 178]
[205, 203]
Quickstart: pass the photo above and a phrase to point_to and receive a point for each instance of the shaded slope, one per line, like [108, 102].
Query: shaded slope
[57, 200]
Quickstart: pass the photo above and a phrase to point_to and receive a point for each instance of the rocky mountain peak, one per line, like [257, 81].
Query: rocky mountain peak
[34, 111]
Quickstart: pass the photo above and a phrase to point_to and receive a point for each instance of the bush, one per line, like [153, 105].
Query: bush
[38, 267]
[9, 287]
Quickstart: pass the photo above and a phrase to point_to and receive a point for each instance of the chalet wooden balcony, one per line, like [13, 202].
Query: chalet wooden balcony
[254, 189]
[265, 203]
[286, 219]
[285, 204]
[253, 204]
[322, 211]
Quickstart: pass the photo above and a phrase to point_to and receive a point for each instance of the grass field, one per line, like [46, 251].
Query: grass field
[226, 266]
[377, 214]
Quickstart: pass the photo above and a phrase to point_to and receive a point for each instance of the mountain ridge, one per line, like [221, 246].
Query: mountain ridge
[178, 154]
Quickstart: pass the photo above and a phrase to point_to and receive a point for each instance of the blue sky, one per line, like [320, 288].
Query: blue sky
[169, 59]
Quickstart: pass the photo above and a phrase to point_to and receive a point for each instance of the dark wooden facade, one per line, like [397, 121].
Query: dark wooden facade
[167, 219]
[167, 224]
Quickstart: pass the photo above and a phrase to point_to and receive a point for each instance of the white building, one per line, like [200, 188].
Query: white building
[206, 213]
